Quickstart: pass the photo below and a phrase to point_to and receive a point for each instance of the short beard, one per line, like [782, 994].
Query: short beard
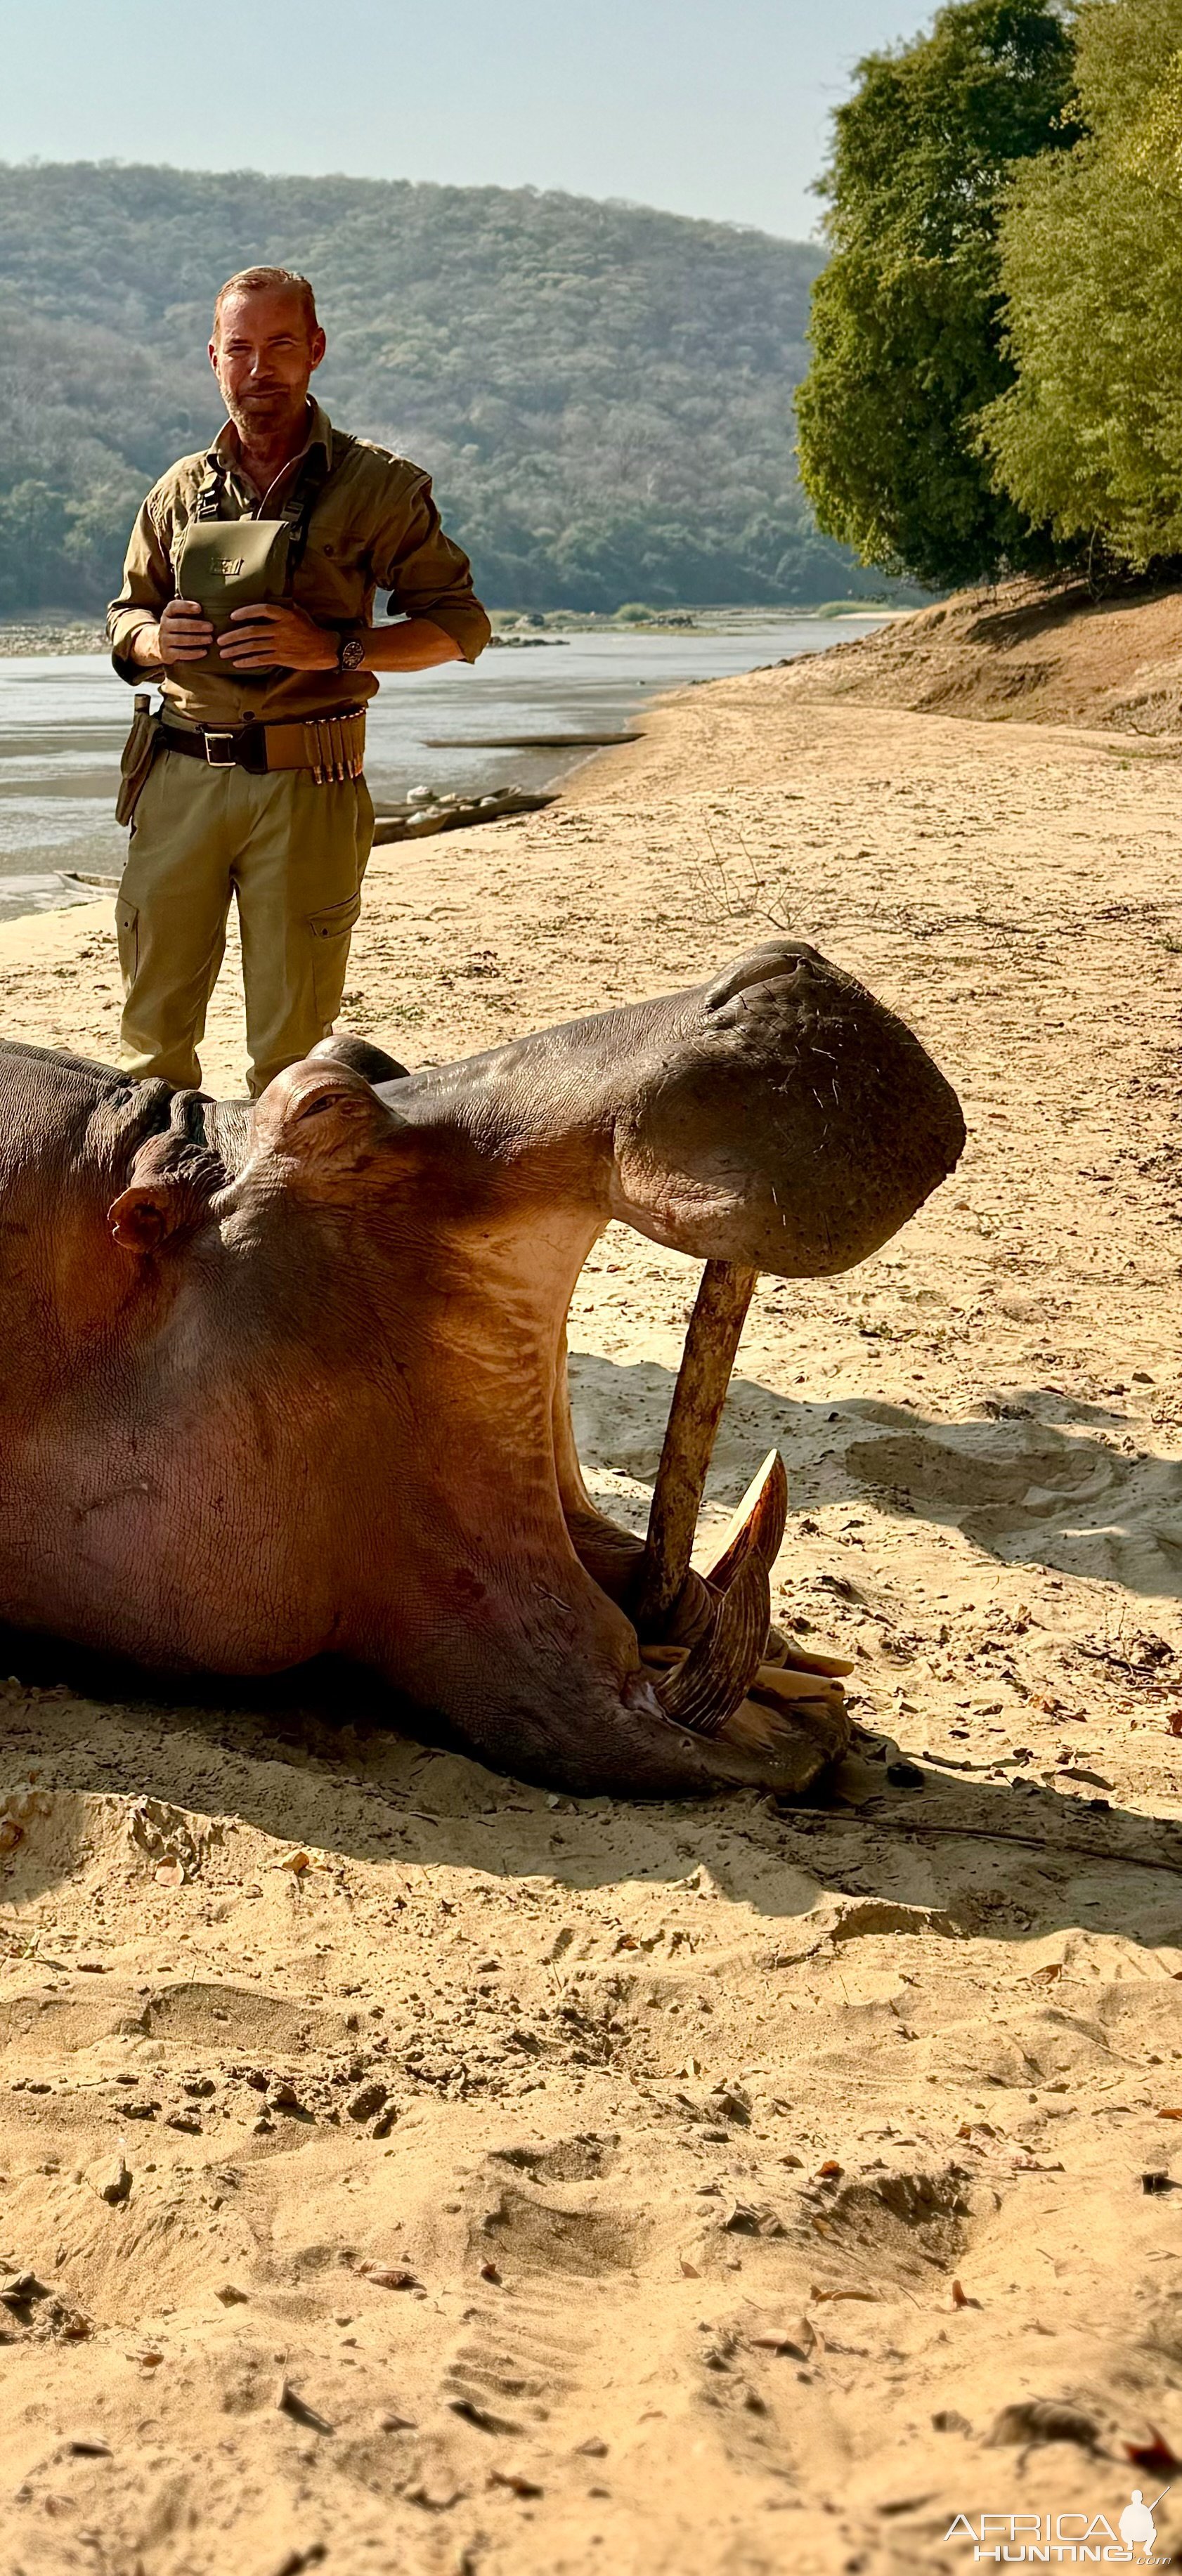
[279, 411]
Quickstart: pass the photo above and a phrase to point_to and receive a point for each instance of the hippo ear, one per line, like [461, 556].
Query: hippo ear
[323, 1116]
[167, 1197]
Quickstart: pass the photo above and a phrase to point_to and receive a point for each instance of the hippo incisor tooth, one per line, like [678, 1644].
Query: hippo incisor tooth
[698, 1398]
[716, 1674]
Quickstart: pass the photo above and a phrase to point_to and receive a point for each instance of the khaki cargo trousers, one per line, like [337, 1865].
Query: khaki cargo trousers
[292, 855]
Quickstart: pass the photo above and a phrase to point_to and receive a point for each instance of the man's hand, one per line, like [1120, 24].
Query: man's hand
[274, 635]
[183, 635]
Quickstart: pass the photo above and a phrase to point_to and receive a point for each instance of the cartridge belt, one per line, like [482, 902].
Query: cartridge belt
[332, 747]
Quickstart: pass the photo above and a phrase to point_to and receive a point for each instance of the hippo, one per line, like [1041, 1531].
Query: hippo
[286, 1382]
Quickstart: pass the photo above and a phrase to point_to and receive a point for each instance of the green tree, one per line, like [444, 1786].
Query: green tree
[905, 325]
[1089, 436]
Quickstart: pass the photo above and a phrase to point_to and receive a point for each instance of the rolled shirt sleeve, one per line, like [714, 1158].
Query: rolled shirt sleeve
[148, 586]
[427, 574]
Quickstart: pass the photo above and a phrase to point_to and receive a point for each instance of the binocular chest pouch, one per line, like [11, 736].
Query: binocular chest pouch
[226, 564]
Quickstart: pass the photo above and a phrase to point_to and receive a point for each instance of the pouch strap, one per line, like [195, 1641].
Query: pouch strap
[210, 490]
[296, 510]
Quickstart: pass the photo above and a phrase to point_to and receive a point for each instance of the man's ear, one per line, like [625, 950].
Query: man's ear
[167, 1197]
[322, 1115]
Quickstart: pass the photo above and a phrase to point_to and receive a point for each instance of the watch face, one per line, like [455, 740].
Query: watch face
[352, 653]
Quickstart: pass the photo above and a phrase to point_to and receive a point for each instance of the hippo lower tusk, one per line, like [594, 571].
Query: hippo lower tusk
[718, 1671]
[757, 1527]
[724, 1663]
[698, 1398]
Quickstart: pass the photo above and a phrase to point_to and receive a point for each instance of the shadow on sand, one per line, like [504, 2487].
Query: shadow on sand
[315, 1755]
[1036, 1485]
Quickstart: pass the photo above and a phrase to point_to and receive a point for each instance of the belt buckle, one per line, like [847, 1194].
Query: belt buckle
[215, 760]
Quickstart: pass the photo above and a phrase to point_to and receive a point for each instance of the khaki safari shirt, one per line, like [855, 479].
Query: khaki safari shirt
[373, 526]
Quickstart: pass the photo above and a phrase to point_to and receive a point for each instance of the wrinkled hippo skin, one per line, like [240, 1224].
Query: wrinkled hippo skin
[292, 1382]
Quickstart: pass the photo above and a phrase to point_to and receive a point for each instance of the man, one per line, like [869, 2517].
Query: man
[255, 791]
[1137, 2527]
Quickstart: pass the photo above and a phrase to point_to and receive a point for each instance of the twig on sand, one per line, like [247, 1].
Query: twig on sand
[986, 1834]
[721, 895]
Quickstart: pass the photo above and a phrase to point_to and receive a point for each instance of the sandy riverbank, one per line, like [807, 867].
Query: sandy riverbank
[682, 2125]
[1049, 652]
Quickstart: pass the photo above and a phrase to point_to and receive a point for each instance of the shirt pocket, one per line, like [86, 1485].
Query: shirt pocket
[333, 578]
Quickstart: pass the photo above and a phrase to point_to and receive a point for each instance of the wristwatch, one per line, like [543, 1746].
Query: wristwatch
[350, 653]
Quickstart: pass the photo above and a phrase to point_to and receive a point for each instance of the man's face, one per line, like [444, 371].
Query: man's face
[263, 356]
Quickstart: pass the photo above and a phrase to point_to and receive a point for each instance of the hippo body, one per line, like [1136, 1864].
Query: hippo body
[291, 1381]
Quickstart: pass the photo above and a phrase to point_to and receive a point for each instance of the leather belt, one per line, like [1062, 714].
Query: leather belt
[332, 747]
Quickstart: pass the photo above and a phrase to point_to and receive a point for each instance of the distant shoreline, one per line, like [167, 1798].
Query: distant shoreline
[512, 627]
[34, 637]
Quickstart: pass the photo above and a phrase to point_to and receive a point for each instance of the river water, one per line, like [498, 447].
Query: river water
[63, 720]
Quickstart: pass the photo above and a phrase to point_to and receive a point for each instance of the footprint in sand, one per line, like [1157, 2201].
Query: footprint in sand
[1031, 1494]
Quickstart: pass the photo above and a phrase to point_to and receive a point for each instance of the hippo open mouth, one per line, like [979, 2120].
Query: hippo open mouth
[293, 1383]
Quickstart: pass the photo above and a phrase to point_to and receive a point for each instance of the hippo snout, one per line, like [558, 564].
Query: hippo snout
[795, 1126]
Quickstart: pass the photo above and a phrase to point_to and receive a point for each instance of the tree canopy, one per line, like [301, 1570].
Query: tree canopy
[603, 393]
[906, 319]
[1089, 434]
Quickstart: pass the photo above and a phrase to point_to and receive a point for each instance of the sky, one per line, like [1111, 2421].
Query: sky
[706, 107]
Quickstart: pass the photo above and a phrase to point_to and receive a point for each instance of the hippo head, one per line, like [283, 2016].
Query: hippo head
[396, 1257]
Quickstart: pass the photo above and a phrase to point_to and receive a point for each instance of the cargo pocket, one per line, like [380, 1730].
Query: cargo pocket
[127, 932]
[331, 931]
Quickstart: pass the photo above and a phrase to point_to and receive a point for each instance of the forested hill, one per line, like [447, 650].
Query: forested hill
[603, 393]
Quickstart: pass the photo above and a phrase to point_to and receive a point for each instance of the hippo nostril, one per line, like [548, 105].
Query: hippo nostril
[768, 997]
